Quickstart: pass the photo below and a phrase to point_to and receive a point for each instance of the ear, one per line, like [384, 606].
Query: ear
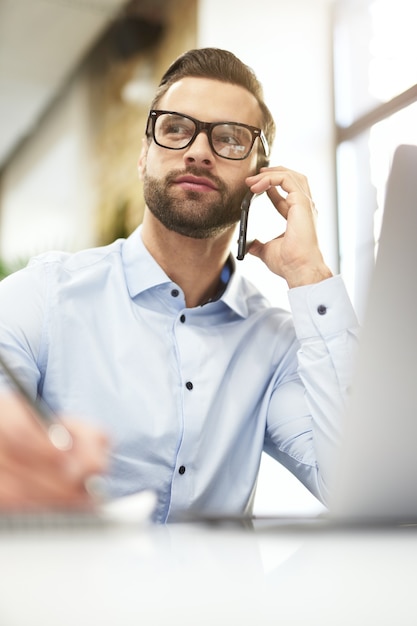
[142, 158]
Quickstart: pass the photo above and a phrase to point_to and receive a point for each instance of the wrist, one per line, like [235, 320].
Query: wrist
[308, 275]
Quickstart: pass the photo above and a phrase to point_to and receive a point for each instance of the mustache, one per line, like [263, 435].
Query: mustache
[195, 171]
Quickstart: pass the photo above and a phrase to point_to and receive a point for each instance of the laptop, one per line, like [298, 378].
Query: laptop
[376, 472]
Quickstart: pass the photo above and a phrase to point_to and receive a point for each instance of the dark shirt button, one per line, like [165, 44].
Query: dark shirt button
[189, 385]
[182, 318]
[175, 293]
[321, 309]
[181, 470]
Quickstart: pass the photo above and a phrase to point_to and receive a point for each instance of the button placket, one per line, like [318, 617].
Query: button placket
[189, 346]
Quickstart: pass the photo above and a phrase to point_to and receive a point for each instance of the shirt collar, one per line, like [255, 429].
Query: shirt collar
[236, 294]
[135, 255]
[141, 270]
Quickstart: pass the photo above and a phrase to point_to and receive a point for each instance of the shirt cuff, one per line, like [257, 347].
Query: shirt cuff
[322, 309]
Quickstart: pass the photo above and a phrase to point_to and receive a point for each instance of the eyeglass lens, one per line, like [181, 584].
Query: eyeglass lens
[231, 141]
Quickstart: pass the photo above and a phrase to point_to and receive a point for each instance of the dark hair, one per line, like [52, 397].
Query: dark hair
[224, 66]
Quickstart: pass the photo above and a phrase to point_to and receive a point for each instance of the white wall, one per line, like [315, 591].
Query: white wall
[288, 44]
[47, 194]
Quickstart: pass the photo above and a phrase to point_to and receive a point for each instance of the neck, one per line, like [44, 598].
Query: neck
[194, 265]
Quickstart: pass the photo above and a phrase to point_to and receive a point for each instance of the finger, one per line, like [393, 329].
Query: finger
[90, 446]
[23, 439]
[279, 201]
[255, 248]
[260, 249]
[38, 488]
[21, 435]
[278, 176]
[33, 471]
[61, 472]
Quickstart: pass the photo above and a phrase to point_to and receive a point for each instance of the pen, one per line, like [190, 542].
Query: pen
[59, 436]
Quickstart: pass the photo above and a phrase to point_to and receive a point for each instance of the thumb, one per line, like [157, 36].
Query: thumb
[255, 248]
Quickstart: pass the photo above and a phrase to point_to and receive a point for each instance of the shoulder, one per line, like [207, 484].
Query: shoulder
[54, 271]
[78, 261]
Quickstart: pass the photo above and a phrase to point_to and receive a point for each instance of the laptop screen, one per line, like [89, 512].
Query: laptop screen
[376, 474]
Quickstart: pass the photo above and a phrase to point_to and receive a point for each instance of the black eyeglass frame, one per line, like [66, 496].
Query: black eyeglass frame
[207, 128]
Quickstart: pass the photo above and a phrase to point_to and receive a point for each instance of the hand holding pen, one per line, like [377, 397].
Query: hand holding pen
[45, 462]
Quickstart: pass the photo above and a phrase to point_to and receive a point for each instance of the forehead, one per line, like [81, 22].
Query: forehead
[212, 101]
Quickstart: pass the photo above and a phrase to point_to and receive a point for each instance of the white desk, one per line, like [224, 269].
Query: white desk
[201, 575]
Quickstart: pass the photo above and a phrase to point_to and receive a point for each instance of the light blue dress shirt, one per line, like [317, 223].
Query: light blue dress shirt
[189, 397]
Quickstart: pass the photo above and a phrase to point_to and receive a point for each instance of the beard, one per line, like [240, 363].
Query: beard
[191, 213]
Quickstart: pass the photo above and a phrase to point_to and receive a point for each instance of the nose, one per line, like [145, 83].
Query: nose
[199, 152]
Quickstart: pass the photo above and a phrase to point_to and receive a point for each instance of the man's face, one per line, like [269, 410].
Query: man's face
[193, 191]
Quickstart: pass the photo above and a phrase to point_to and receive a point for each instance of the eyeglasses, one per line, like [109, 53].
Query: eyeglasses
[229, 140]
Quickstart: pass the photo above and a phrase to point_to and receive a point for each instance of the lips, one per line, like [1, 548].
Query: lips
[195, 183]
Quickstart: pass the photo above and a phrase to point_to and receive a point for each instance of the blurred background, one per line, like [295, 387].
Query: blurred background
[76, 81]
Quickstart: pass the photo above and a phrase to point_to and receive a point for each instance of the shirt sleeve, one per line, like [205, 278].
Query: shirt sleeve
[307, 406]
[22, 324]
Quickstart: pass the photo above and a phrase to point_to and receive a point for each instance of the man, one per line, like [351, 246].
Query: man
[171, 360]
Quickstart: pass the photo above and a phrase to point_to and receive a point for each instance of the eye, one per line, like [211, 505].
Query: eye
[175, 127]
[232, 135]
[229, 139]
[226, 135]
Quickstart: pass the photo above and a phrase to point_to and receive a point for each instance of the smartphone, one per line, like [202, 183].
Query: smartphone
[243, 226]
